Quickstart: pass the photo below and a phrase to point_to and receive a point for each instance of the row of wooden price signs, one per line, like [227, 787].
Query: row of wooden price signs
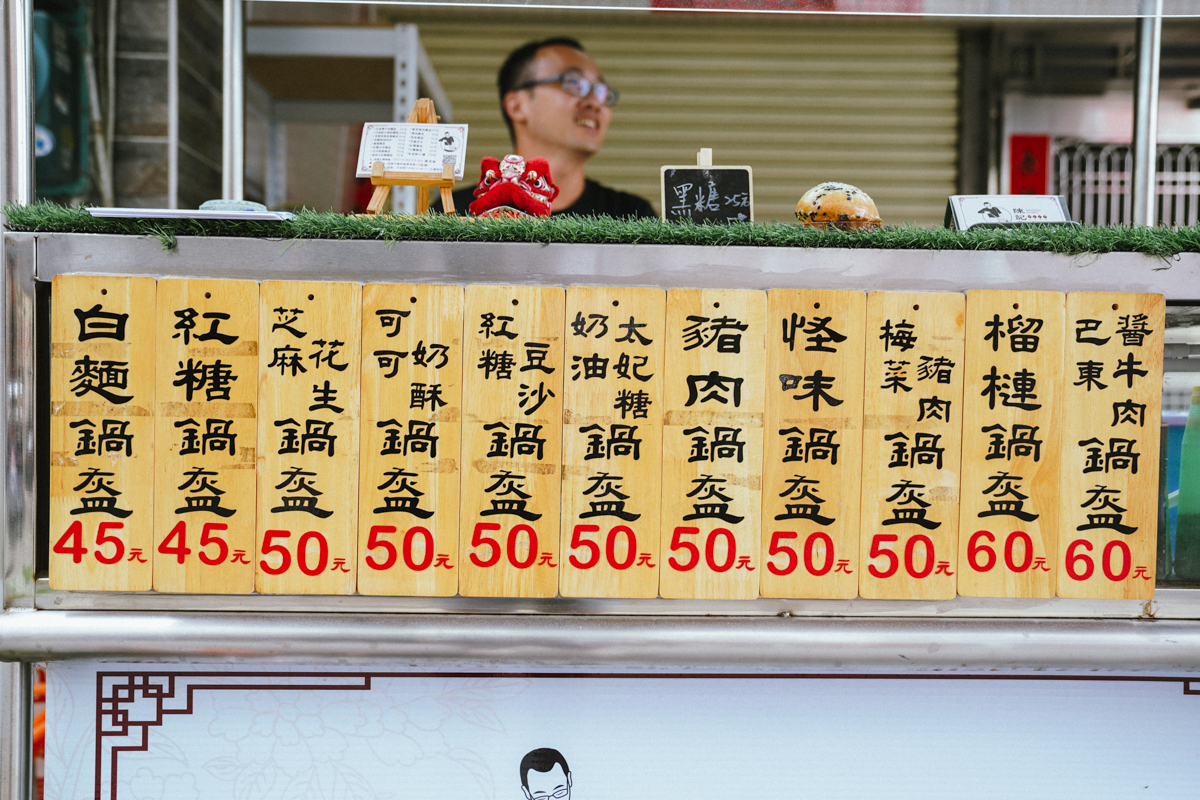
[331, 438]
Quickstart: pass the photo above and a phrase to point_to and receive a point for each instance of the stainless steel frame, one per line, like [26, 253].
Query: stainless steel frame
[17, 437]
[173, 138]
[1145, 115]
[618, 265]
[763, 644]
[233, 102]
[953, 9]
[16, 734]
[16, 94]
[615, 265]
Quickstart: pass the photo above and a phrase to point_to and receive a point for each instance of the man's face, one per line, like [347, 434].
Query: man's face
[547, 115]
[546, 785]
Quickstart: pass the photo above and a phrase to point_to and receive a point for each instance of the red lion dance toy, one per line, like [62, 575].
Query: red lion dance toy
[514, 187]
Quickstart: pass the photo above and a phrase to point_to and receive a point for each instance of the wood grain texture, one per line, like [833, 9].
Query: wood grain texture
[911, 445]
[411, 418]
[1112, 406]
[102, 433]
[206, 428]
[511, 441]
[813, 443]
[309, 366]
[712, 443]
[1012, 410]
[612, 442]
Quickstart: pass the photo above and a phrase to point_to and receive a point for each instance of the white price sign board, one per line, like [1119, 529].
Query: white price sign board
[412, 147]
[965, 211]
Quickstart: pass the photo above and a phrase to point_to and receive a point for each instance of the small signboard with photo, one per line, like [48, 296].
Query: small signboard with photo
[964, 211]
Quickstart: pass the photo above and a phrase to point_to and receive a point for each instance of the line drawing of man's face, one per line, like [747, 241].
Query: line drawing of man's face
[552, 785]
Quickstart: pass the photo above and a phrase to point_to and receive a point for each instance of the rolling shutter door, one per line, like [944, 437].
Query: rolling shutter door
[800, 99]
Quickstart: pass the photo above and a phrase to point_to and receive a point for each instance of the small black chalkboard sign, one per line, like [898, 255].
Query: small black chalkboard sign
[707, 194]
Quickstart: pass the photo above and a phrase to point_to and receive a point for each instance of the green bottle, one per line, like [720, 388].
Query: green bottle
[1187, 531]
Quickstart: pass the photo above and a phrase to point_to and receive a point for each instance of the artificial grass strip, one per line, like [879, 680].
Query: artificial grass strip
[1068, 240]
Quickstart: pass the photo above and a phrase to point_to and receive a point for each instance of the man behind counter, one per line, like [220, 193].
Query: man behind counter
[557, 107]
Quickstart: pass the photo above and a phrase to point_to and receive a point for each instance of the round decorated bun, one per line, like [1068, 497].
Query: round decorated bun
[839, 204]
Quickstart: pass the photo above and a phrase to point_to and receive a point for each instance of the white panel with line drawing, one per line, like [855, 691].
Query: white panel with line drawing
[194, 732]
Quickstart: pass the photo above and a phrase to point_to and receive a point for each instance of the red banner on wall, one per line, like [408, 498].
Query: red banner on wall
[1029, 163]
[850, 6]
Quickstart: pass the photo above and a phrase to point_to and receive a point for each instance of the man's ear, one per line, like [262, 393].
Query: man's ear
[528, 796]
[568, 780]
[516, 105]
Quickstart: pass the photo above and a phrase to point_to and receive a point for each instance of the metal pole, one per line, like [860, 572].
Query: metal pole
[16, 730]
[233, 139]
[1145, 117]
[404, 96]
[172, 103]
[18, 179]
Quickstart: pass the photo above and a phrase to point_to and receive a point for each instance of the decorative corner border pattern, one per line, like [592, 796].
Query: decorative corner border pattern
[129, 704]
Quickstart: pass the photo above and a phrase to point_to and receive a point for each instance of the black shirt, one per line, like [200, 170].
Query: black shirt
[596, 199]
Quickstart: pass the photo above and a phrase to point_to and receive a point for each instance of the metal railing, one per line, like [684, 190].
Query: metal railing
[1097, 180]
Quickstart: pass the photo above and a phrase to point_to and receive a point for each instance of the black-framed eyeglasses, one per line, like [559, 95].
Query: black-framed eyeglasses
[576, 85]
[558, 794]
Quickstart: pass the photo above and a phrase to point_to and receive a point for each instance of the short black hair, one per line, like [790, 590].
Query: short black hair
[515, 69]
[543, 760]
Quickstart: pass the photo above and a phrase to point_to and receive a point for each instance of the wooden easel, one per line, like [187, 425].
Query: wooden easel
[383, 181]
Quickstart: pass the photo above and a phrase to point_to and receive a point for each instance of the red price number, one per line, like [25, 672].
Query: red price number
[71, 543]
[520, 546]
[275, 543]
[1116, 561]
[1017, 550]
[917, 565]
[618, 536]
[691, 550]
[214, 549]
[388, 555]
[817, 553]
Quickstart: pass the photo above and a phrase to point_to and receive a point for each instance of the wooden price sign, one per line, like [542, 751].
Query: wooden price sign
[813, 443]
[511, 441]
[612, 442]
[101, 433]
[309, 336]
[1112, 397]
[411, 410]
[207, 390]
[912, 431]
[713, 439]
[1008, 518]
